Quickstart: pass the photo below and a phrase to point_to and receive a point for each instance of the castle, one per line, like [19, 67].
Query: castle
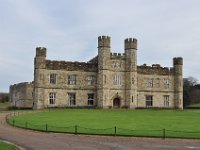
[109, 80]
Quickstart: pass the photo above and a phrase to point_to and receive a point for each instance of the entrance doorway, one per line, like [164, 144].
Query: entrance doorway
[116, 103]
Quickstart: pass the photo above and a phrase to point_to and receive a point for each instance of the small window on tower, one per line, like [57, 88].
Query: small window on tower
[117, 80]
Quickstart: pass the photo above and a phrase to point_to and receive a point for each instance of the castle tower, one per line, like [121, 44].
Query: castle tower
[178, 82]
[131, 72]
[39, 66]
[103, 71]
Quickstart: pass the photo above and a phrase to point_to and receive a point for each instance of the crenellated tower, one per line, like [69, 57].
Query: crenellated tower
[39, 66]
[131, 72]
[178, 82]
[103, 71]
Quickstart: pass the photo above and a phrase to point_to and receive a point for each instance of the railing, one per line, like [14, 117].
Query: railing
[114, 131]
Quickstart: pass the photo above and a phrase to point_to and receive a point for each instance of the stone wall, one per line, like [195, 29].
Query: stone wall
[21, 95]
[132, 88]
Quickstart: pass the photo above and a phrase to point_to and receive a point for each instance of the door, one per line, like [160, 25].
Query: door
[116, 103]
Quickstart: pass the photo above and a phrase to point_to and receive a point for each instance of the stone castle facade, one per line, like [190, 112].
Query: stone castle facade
[109, 80]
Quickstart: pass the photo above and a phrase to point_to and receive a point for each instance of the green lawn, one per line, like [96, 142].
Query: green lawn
[4, 106]
[195, 105]
[128, 122]
[5, 146]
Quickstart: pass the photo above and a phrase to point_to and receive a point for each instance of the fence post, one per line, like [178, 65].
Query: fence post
[75, 129]
[46, 127]
[13, 123]
[164, 133]
[115, 130]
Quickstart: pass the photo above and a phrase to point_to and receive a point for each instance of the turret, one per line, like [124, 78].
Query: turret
[104, 41]
[130, 43]
[130, 46]
[178, 82]
[103, 70]
[40, 65]
[40, 58]
[103, 51]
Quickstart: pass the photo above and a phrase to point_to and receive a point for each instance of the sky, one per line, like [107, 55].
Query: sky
[69, 30]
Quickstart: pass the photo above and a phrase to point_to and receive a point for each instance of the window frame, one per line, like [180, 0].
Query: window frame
[90, 80]
[90, 99]
[72, 79]
[149, 83]
[166, 84]
[72, 99]
[116, 80]
[52, 98]
[53, 78]
[149, 100]
[166, 101]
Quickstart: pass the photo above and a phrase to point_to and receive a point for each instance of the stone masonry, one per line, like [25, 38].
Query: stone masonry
[109, 80]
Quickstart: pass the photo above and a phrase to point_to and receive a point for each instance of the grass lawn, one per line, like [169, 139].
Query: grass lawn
[4, 106]
[195, 105]
[127, 122]
[6, 146]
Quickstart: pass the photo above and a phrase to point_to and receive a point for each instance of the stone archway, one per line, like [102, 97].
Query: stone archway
[116, 103]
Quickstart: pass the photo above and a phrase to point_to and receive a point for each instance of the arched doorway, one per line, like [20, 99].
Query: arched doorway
[116, 103]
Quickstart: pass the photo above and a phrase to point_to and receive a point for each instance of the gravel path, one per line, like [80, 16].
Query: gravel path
[33, 140]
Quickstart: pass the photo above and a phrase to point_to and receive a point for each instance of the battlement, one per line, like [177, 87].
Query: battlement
[178, 61]
[41, 51]
[155, 69]
[117, 55]
[130, 43]
[104, 41]
[22, 84]
[70, 66]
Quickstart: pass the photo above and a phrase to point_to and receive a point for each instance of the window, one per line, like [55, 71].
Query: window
[90, 99]
[72, 79]
[52, 78]
[52, 98]
[149, 100]
[72, 99]
[90, 80]
[117, 80]
[166, 100]
[166, 83]
[150, 83]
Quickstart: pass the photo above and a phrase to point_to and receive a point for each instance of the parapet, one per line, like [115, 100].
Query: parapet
[117, 55]
[154, 69]
[130, 43]
[41, 51]
[104, 41]
[178, 61]
[71, 66]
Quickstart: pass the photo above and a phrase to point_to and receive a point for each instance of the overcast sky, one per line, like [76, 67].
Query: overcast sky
[69, 30]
